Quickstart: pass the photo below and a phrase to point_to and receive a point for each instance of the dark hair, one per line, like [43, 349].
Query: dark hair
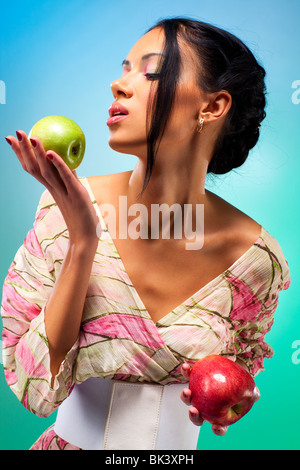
[225, 63]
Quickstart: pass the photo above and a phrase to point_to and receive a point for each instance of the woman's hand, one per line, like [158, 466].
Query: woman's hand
[194, 414]
[70, 195]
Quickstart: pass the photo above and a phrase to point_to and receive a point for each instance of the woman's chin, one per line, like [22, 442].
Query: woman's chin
[127, 147]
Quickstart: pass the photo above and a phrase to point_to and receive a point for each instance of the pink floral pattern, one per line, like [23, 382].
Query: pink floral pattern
[118, 339]
[49, 440]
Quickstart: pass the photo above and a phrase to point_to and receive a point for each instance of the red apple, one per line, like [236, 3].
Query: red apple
[222, 390]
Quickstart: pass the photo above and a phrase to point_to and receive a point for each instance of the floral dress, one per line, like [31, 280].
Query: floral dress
[229, 316]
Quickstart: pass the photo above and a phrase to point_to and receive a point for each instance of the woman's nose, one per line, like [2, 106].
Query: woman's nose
[121, 87]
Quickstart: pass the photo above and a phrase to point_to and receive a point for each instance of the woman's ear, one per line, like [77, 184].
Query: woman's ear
[216, 106]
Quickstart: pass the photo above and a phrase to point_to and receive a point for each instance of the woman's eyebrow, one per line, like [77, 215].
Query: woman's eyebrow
[145, 57]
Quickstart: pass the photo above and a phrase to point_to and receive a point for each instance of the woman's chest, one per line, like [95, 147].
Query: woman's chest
[165, 275]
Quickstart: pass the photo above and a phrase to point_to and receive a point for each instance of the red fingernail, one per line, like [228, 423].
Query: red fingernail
[33, 142]
[8, 140]
[19, 136]
[49, 155]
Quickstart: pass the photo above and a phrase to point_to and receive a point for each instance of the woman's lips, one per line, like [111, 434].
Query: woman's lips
[117, 112]
[113, 120]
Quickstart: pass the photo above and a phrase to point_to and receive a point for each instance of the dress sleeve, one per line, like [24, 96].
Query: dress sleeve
[26, 360]
[253, 315]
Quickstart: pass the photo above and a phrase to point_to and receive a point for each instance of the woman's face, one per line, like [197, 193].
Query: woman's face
[132, 90]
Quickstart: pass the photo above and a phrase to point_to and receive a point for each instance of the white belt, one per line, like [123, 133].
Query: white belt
[108, 414]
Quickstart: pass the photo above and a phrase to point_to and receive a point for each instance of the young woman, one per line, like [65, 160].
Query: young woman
[106, 328]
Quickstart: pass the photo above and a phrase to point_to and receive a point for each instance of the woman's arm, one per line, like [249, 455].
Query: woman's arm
[42, 314]
[63, 311]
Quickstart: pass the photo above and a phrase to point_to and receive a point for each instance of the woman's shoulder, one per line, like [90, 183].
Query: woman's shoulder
[107, 185]
[251, 237]
[235, 227]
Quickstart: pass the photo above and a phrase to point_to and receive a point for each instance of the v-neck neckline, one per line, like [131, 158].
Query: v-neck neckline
[190, 301]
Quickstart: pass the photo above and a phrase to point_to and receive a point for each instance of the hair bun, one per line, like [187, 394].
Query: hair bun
[245, 82]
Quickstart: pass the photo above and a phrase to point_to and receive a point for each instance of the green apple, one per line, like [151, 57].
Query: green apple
[63, 136]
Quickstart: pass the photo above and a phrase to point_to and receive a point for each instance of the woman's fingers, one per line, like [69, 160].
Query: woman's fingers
[186, 370]
[219, 430]
[30, 163]
[53, 168]
[25, 154]
[256, 394]
[47, 167]
[15, 145]
[67, 175]
[47, 171]
[195, 416]
[186, 395]
[72, 198]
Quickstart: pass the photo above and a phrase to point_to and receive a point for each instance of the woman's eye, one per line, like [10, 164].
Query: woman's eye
[151, 70]
[152, 76]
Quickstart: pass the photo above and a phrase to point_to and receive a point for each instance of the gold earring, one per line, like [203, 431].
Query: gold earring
[200, 125]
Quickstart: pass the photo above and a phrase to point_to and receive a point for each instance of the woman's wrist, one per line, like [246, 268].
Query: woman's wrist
[83, 248]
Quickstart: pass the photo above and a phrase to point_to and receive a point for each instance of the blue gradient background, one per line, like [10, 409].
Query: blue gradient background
[59, 57]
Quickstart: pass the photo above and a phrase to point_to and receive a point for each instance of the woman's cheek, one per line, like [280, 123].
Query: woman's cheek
[183, 119]
[129, 136]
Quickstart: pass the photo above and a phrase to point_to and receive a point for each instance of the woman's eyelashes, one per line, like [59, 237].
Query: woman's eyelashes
[148, 75]
[146, 72]
[152, 76]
